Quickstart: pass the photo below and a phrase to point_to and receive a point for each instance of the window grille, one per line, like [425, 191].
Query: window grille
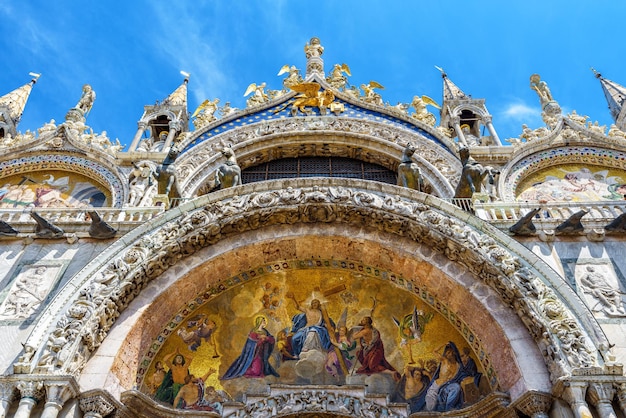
[318, 167]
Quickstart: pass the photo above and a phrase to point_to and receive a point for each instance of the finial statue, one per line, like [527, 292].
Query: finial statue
[548, 104]
[313, 48]
[259, 96]
[293, 78]
[421, 112]
[86, 100]
[336, 78]
[314, 62]
[409, 174]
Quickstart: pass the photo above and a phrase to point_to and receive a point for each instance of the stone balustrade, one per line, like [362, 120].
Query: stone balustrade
[76, 220]
[503, 215]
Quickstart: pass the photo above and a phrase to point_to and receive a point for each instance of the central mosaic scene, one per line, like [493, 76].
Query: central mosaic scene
[315, 327]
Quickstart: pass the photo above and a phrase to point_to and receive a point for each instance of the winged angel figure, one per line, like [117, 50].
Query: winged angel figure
[310, 95]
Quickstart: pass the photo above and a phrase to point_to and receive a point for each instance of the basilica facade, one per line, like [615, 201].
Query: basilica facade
[318, 253]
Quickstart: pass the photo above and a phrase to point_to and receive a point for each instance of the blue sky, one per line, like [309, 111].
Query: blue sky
[131, 52]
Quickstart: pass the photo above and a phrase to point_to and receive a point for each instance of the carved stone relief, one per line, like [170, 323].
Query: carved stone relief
[29, 288]
[161, 244]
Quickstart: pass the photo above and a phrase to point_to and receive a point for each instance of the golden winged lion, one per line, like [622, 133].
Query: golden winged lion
[311, 95]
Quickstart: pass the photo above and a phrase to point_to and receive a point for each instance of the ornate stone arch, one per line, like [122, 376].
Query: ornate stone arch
[360, 139]
[97, 171]
[545, 155]
[79, 318]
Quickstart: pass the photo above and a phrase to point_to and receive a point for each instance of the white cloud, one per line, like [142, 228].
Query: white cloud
[520, 111]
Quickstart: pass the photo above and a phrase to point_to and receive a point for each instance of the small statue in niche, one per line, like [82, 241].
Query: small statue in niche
[229, 173]
[409, 174]
[142, 184]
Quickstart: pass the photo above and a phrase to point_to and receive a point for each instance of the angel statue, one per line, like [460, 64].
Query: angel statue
[259, 95]
[310, 95]
[421, 113]
[370, 95]
[205, 113]
[337, 79]
[294, 76]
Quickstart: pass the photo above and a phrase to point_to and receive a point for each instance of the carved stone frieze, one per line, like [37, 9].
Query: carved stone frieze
[315, 401]
[163, 243]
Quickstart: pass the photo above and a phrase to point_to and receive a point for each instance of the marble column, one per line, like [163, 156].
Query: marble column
[31, 392]
[574, 394]
[173, 126]
[140, 130]
[456, 122]
[601, 396]
[7, 396]
[492, 131]
[57, 393]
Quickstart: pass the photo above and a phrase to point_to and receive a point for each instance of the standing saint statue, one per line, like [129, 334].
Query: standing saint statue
[86, 100]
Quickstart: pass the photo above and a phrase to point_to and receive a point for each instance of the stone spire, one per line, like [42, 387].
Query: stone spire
[466, 116]
[12, 106]
[450, 90]
[616, 97]
[178, 96]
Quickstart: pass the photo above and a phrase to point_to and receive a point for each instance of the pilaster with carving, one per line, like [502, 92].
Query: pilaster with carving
[7, 396]
[57, 393]
[621, 396]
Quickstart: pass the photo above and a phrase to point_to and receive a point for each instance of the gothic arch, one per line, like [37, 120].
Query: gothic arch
[79, 318]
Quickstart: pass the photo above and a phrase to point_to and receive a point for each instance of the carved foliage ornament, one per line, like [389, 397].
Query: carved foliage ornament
[85, 324]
